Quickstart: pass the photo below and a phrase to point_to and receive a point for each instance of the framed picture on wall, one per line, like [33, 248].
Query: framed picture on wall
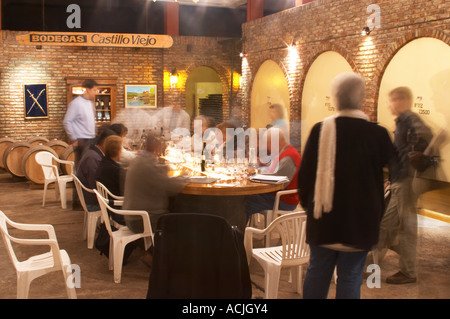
[35, 97]
[140, 96]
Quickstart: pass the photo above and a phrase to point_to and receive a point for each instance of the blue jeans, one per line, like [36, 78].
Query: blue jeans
[323, 261]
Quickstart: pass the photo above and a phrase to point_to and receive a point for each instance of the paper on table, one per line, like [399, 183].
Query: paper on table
[269, 179]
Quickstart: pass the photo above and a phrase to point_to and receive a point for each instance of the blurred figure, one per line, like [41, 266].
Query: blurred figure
[226, 145]
[287, 163]
[341, 187]
[399, 225]
[170, 119]
[277, 115]
[79, 124]
[87, 168]
[110, 173]
[126, 155]
[148, 187]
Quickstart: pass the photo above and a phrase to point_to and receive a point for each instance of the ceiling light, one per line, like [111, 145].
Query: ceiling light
[365, 31]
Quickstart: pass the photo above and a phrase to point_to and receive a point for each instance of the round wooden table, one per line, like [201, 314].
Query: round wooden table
[220, 199]
[230, 189]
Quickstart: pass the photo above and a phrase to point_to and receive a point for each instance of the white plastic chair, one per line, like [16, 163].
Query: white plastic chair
[106, 193]
[293, 251]
[276, 212]
[122, 236]
[28, 270]
[270, 215]
[51, 174]
[91, 219]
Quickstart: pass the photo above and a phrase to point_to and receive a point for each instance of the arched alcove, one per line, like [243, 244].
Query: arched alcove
[269, 87]
[204, 93]
[316, 99]
[423, 65]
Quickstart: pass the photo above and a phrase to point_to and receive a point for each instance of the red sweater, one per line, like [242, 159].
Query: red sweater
[291, 199]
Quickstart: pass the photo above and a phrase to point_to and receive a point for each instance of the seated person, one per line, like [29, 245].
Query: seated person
[148, 187]
[287, 163]
[109, 171]
[88, 165]
[228, 142]
[126, 155]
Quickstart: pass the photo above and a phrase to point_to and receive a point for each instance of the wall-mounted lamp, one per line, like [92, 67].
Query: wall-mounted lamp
[365, 31]
[173, 78]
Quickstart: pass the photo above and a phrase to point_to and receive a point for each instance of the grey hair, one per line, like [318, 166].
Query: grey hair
[348, 90]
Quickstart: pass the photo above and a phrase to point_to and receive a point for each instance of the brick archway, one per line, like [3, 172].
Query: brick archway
[394, 48]
[224, 79]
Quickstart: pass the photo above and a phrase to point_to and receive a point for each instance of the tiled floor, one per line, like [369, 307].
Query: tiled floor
[23, 204]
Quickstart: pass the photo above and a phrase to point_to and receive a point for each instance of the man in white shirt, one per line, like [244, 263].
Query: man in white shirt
[79, 123]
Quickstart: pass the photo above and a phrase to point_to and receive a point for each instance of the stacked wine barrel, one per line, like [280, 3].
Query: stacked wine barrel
[19, 157]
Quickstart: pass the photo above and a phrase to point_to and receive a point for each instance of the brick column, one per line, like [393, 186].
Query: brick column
[255, 9]
[171, 18]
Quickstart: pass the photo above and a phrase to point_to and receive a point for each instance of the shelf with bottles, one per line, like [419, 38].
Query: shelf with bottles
[103, 106]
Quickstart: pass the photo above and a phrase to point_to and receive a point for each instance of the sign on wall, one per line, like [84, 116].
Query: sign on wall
[96, 39]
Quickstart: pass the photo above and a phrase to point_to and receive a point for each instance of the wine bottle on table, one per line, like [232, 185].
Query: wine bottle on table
[203, 164]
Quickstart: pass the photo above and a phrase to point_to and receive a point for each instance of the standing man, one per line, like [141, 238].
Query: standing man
[398, 229]
[79, 123]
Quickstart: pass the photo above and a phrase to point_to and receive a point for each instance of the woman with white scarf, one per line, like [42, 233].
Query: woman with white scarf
[340, 185]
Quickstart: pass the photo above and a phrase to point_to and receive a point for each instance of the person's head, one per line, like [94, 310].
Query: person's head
[223, 128]
[276, 111]
[400, 100]
[152, 144]
[120, 129]
[348, 90]
[205, 122]
[102, 135]
[90, 87]
[112, 147]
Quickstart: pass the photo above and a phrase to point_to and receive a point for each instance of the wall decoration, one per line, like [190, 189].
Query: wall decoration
[140, 96]
[35, 97]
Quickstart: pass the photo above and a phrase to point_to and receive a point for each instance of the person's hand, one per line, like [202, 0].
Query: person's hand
[75, 144]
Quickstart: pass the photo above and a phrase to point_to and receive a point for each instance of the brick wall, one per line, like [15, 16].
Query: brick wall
[20, 64]
[324, 25]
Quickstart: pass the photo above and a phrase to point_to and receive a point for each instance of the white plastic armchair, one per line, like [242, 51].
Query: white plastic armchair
[28, 270]
[91, 219]
[51, 174]
[121, 237]
[276, 212]
[293, 251]
[106, 193]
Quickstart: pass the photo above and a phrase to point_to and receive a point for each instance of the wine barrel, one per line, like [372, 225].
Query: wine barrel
[12, 158]
[58, 146]
[37, 140]
[4, 144]
[68, 155]
[32, 170]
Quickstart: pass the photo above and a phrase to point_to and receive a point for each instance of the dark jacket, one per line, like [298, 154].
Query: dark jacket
[198, 256]
[411, 134]
[86, 172]
[362, 150]
[112, 176]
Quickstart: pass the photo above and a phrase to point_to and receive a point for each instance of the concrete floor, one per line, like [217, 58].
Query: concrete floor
[23, 203]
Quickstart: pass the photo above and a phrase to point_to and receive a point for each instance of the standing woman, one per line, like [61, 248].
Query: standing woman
[340, 185]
